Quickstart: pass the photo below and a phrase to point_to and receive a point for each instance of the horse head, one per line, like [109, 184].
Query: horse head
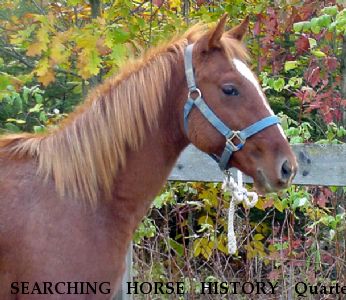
[227, 114]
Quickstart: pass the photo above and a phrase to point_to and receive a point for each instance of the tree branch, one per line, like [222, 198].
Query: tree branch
[132, 12]
[12, 53]
[39, 7]
[30, 64]
[95, 8]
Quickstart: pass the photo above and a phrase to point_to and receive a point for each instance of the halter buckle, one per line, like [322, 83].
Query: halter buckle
[235, 147]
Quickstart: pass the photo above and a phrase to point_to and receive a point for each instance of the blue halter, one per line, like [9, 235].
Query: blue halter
[228, 133]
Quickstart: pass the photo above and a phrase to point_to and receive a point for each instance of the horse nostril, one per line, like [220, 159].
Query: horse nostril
[286, 171]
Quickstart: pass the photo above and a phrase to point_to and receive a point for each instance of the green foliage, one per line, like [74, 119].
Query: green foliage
[146, 229]
[295, 132]
[164, 198]
[26, 111]
[302, 133]
[333, 134]
[330, 18]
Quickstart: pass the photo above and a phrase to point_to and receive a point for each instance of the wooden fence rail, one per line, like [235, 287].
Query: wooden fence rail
[318, 165]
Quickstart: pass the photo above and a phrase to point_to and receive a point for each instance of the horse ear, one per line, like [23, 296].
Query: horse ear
[239, 31]
[216, 34]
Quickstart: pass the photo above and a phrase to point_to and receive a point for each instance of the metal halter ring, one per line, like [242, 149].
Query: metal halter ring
[194, 91]
[235, 134]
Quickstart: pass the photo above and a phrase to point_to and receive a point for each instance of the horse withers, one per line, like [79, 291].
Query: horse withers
[70, 199]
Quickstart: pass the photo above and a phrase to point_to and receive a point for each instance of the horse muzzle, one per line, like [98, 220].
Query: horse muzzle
[283, 177]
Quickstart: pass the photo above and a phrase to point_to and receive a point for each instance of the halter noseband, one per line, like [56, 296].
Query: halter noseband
[228, 133]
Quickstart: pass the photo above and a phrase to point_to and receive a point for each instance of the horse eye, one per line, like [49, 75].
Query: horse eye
[230, 90]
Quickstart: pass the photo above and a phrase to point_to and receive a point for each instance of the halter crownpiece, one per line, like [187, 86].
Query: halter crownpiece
[228, 133]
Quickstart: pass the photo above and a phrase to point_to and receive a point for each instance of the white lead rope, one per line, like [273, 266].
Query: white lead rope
[238, 194]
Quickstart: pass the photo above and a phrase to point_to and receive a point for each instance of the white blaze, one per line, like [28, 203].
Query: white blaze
[245, 71]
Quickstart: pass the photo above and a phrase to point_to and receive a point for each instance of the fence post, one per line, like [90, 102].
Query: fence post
[343, 76]
[127, 277]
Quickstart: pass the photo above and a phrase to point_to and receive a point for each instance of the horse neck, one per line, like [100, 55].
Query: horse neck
[134, 114]
[148, 167]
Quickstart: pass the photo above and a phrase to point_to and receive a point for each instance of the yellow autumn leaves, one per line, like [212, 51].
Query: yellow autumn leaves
[71, 40]
[55, 46]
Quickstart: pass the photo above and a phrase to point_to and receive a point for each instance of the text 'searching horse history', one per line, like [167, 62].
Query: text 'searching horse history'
[71, 198]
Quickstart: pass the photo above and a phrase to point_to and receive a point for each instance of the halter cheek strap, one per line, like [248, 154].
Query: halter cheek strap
[229, 134]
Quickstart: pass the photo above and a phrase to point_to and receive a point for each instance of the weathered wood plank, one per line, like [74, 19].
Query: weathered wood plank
[318, 165]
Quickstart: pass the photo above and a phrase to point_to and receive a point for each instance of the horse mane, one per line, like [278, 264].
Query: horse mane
[114, 118]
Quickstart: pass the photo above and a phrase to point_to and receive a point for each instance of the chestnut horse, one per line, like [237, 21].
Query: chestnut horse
[70, 199]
